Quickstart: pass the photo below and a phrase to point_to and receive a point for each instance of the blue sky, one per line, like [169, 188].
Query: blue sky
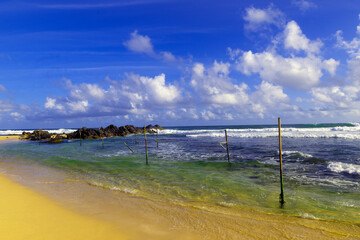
[92, 63]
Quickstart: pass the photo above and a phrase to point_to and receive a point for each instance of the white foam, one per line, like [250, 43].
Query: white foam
[227, 204]
[113, 188]
[345, 132]
[344, 167]
[125, 190]
[308, 216]
[304, 155]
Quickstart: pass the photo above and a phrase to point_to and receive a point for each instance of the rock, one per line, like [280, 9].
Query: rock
[111, 130]
[55, 139]
[34, 136]
[88, 133]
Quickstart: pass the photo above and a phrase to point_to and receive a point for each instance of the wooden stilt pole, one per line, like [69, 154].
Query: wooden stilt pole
[135, 138]
[146, 146]
[227, 148]
[39, 136]
[128, 147]
[281, 198]
[80, 137]
[102, 137]
[157, 138]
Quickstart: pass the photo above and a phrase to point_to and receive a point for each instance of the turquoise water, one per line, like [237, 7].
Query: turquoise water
[321, 167]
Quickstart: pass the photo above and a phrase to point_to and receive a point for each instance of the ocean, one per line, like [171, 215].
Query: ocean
[321, 165]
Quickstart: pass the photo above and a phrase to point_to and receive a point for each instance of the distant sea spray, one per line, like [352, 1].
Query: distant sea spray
[20, 131]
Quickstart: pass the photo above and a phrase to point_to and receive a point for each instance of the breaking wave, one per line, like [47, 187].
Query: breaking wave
[340, 167]
[351, 131]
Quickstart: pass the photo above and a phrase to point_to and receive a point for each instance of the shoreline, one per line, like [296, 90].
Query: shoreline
[147, 219]
[9, 138]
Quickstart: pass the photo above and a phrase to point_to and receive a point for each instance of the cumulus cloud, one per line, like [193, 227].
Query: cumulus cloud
[139, 43]
[154, 90]
[134, 95]
[85, 91]
[336, 98]
[224, 97]
[259, 19]
[304, 5]
[341, 101]
[268, 98]
[214, 85]
[295, 39]
[331, 65]
[295, 70]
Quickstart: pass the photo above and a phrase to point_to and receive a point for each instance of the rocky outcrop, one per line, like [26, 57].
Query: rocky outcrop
[154, 127]
[88, 133]
[36, 135]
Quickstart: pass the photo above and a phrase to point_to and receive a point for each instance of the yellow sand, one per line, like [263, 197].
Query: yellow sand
[25, 214]
[2, 138]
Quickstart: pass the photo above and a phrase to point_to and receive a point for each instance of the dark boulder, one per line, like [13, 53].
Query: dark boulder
[55, 139]
[36, 135]
[88, 133]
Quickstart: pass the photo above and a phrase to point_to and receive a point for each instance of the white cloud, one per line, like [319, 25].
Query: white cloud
[17, 116]
[51, 104]
[215, 86]
[168, 57]
[208, 115]
[268, 98]
[135, 95]
[304, 5]
[85, 91]
[78, 106]
[142, 44]
[224, 98]
[294, 72]
[2, 88]
[295, 39]
[337, 98]
[258, 19]
[139, 43]
[341, 102]
[331, 65]
[352, 47]
[6, 106]
[156, 90]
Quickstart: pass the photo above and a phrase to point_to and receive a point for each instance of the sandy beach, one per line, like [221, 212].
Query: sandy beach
[55, 207]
